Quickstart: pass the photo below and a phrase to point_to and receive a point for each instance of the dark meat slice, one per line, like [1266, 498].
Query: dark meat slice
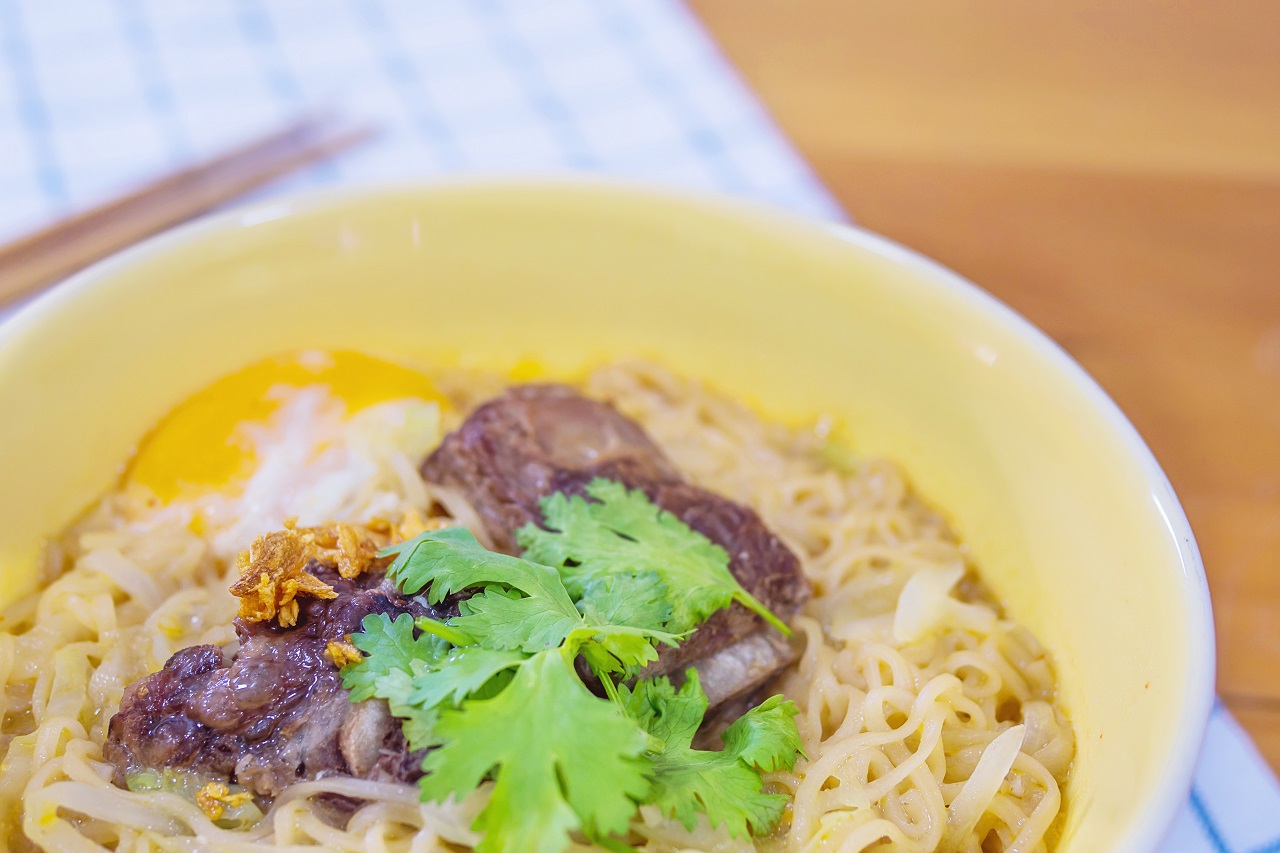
[276, 712]
[536, 440]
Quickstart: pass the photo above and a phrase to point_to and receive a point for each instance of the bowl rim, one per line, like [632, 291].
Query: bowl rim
[1154, 818]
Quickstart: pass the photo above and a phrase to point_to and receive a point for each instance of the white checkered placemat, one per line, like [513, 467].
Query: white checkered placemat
[98, 95]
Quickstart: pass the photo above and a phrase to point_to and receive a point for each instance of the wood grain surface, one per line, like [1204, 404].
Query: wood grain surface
[1111, 169]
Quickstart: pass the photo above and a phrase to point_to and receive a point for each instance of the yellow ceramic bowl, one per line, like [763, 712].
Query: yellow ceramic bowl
[1066, 511]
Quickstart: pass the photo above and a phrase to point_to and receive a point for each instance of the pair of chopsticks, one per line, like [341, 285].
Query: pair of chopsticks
[45, 257]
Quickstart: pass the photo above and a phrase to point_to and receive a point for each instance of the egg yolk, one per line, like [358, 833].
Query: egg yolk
[195, 447]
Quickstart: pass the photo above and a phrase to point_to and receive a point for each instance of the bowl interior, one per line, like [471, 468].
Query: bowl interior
[1066, 514]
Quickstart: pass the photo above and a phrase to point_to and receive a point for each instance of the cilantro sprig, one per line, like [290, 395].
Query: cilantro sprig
[520, 605]
[495, 692]
[724, 784]
[524, 606]
[563, 760]
[621, 530]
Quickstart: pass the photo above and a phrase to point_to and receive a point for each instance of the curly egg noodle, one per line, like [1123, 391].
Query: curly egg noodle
[929, 720]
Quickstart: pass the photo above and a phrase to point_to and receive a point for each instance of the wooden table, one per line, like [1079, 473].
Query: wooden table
[1111, 169]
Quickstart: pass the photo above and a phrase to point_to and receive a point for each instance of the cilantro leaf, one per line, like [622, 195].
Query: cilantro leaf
[625, 613]
[394, 658]
[672, 717]
[418, 723]
[622, 530]
[636, 600]
[561, 758]
[451, 560]
[388, 647]
[462, 673]
[418, 674]
[688, 781]
[766, 737]
[504, 619]
[725, 785]
[525, 607]
[616, 649]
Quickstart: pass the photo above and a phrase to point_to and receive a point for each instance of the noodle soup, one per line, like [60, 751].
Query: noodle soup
[927, 720]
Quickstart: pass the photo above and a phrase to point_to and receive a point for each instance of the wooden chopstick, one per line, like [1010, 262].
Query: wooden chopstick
[49, 255]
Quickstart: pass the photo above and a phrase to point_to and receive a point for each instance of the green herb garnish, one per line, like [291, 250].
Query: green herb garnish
[495, 693]
[623, 531]
[562, 758]
[724, 784]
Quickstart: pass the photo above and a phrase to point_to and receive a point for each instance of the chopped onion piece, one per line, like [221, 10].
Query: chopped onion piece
[981, 788]
[923, 604]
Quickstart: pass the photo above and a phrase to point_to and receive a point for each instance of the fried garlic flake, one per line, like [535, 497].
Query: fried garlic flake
[214, 798]
[273, 572]
[342, 652]
[350, 548]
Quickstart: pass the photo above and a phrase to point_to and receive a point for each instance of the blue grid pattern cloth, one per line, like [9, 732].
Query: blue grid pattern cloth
[98, 95]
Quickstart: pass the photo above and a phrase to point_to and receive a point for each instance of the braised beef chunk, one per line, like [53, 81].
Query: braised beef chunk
[536, 440]
[276, 712]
